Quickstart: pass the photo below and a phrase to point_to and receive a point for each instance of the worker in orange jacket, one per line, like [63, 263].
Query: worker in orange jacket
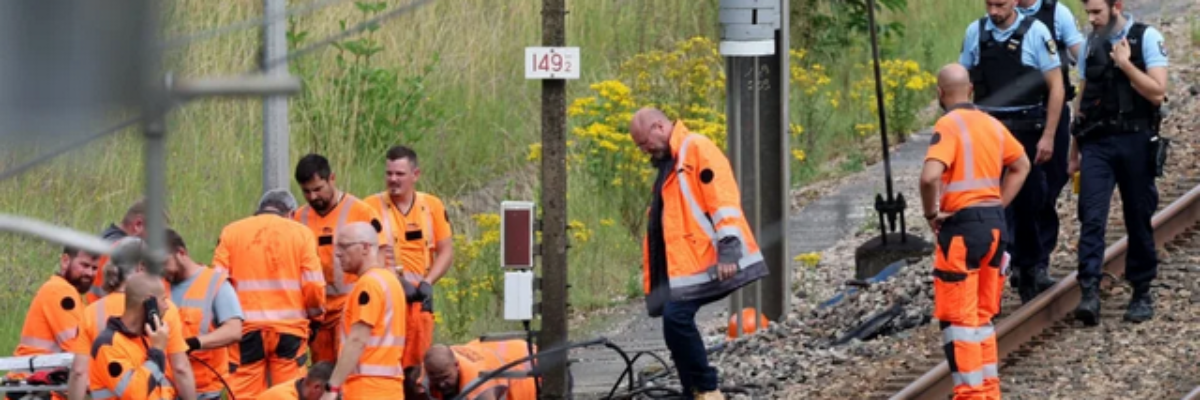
[451, 369]
[698, 247]
[57, 308]
[133, 224]
[372, 328]
[211, 313]
[127, 359]
[417, 227]
[310, 387]
[126, 263]
[964, 189]
[271, 262]
[328, 210]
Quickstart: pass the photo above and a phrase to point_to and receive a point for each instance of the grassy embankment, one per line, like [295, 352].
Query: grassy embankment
[486, 115]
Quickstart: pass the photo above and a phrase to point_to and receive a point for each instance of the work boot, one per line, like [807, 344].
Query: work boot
[1088, 310]
[713, 395]
[1043, 280]
[1027, 288]
[1141, 305]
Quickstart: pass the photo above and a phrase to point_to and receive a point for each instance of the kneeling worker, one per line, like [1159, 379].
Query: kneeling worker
[968, 153]
[128, 357]
[452, 368]
[310, 387]
[372, 328]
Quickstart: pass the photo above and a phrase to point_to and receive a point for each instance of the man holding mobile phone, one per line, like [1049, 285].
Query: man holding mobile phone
[128, 356]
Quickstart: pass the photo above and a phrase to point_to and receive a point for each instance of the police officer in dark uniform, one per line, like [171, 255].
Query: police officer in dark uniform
[1015, 69]
[1116, 142]
[1061, 22]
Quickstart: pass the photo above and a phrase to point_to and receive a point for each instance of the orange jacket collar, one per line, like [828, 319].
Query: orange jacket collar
[678, 133]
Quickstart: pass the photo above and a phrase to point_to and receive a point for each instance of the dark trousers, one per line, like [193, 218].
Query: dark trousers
[1124, 160]
[1023, 215]
[1056, 178]
[687, 346]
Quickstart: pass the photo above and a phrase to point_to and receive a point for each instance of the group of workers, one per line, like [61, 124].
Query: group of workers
[996, 165]
[343, 284]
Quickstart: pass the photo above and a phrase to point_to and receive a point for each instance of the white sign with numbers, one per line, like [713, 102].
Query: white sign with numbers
[551, 63]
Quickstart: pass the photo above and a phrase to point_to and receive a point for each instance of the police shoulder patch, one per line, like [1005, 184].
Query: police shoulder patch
[706, 175]
[67, 303]
[1051, 47]
[937, 137]
[363, 298]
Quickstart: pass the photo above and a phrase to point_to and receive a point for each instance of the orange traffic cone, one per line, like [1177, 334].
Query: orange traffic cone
[749, 325]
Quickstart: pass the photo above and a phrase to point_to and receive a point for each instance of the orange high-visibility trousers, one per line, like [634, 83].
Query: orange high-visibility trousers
[262, 355]
[418, 335]
[967, 288]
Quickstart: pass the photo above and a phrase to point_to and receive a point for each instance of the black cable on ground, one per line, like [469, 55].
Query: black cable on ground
[537, 383]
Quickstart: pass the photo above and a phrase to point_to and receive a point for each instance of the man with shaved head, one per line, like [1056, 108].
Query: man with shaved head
[368, 359]
[451, 369]
[128, 357]
[973, 169]
[698, 246]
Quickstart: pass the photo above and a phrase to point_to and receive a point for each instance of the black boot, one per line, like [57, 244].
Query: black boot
[1088, 310]
[1043, 279]
[1027, 288]
[1141, 305]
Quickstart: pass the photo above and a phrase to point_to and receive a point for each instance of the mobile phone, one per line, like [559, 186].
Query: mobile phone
[151, 308]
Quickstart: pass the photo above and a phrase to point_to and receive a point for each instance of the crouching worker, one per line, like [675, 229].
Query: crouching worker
[451, 369]
[310, 387]
[128, 357]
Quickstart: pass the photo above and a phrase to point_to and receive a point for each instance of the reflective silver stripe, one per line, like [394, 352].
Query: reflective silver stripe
[726, 212]
[967, 334]
[312, 276]
[210, 298]
[102, 394]
[338, 287]
[729, 231]
[990, 371]
[429, 239]
[413, 277]
[386, 341]
[304, 214]
[969, 378]
[247, 285]
[274, 315]
[220, 269]
[209, 395]
[40, 343]
[100, 311]
[386, 214]
[969, 182]
[378, 370]
[123, 384]
[685, 187]
[98, 291]
[703, 277]
[66, 334]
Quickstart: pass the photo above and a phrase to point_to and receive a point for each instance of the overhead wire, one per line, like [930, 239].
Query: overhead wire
[266, 19]
[362, 26]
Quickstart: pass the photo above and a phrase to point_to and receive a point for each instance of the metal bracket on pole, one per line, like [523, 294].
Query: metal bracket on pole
[236, 86]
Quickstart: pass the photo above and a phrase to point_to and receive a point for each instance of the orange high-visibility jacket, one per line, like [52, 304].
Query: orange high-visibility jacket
[196, 312]
[325, 227]
[413, 237]
[474, 360]
[96, 315]
[975, 147]
[377, 301]
[701, 206]
[53, 319]
[504, 352]
[289, 390]
[272, 263]
[123, 367]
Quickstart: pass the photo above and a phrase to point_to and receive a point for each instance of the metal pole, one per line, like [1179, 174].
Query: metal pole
[777, 295]
[887, 163]
[156, 190]
[554, 198]
[275, 108]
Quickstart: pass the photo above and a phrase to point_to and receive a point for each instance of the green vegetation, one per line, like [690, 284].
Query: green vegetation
[447, 80]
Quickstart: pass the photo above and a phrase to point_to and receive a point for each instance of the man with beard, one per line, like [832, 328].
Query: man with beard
[328, 210]
[1125, 84]
[416, 225]
[210, 311]
[1016, 74]
[57, 308]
